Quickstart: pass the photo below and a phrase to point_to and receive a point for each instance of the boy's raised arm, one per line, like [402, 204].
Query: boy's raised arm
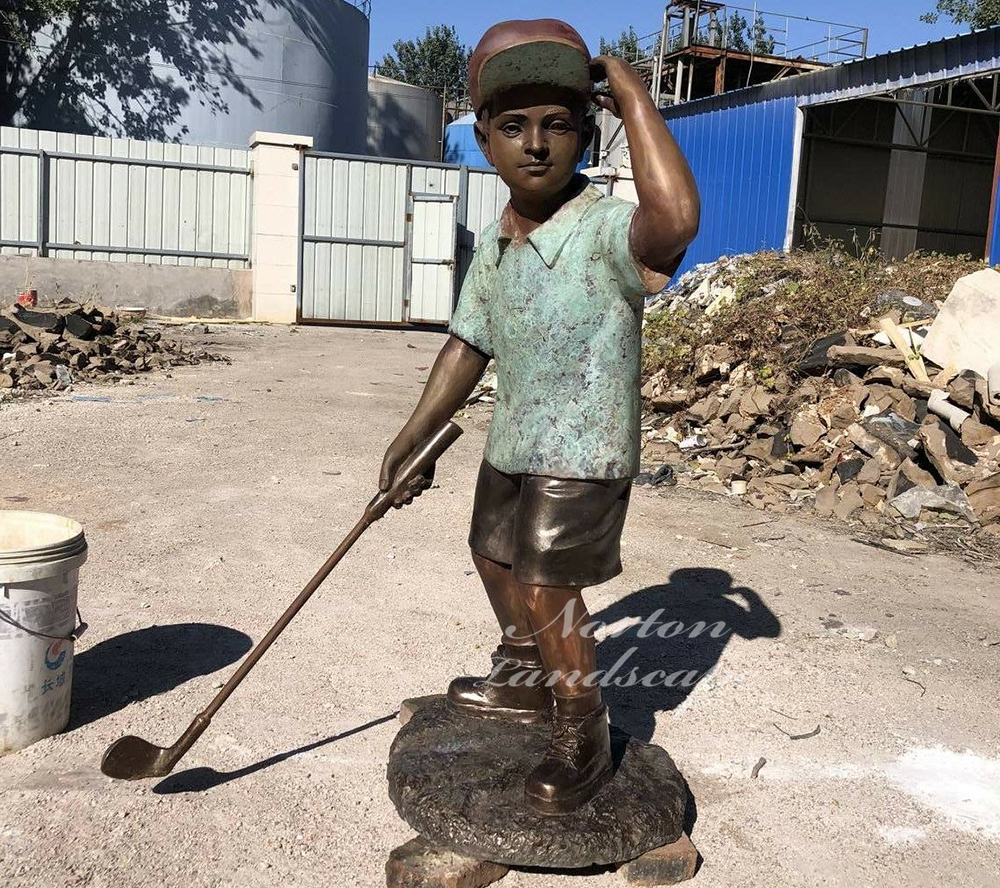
[669, 206]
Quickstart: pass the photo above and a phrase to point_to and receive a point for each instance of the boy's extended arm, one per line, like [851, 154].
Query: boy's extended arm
[453, 377]
[669, 206]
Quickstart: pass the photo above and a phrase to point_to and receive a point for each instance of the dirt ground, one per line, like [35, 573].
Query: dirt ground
[210, 497]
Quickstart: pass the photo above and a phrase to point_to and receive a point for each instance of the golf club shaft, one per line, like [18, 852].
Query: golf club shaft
[419, 462]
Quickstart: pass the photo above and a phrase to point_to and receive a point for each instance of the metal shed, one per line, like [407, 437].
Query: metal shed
[909, 154]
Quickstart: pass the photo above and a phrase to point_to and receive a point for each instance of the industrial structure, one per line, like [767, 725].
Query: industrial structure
[897, 150]
[404, 120]
[707, 48]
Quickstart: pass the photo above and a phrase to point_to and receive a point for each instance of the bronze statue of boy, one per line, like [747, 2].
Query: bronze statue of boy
[555, 294]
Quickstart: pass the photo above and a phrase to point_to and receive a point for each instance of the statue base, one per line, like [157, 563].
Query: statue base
[459, 782]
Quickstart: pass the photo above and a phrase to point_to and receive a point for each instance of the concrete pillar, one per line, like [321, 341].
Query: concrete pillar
[275, 159]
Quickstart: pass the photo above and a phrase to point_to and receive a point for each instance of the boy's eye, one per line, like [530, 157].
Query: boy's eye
[510, 129]
[560, 126]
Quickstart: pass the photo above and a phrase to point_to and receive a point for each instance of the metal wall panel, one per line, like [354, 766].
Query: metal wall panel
[363, 261]
[354, 235]
[129, 206]
[742, 160]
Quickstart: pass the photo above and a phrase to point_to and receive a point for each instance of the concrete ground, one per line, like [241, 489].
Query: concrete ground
[206, 516]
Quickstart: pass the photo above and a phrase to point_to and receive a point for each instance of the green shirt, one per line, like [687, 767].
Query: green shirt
[562, 315]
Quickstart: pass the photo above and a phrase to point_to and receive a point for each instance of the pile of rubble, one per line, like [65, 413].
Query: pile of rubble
[895, 418]
[69, 342]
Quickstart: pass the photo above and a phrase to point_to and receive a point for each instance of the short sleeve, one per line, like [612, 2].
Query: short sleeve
[471, 319]
[616, 227]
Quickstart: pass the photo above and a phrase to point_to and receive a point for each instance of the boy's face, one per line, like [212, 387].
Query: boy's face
[534, 136]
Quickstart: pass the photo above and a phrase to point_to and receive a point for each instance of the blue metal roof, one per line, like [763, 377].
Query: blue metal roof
[965, 55]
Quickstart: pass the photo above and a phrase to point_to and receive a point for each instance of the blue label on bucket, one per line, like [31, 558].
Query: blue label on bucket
[55, 656]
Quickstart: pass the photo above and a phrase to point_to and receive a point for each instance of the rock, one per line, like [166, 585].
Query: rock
[672, 401]
[756, 402]
[850, 501]
[976, 434]
[962, 389]
[826, 500]
[893, 376]
[873, 496]
[806, 428]
[952, 460]
[705, 410]
[713, 362]
[849, 469]
[887, 457]
[669, 865]
[418, 864]
[858, 356]
[908, 476]
[6, 381]
[870, 473]
[984, 496]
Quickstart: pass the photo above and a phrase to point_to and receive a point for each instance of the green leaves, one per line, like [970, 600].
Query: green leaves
[437, 61]
[977, 13]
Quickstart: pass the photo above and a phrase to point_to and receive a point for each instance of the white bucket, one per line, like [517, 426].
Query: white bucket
[40, 558]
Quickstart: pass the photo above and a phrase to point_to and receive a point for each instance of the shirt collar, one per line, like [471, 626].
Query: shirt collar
[551, 236]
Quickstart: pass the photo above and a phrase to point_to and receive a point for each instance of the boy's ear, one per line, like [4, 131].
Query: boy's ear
[587, 130]
[482, 131]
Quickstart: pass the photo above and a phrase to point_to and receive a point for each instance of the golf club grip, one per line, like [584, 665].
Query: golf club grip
[419, 461]
[416, 464]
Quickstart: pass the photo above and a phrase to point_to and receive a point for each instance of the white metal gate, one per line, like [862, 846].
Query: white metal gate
[433, 246]
[385, 241]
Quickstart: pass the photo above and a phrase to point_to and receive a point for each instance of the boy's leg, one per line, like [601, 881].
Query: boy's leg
[578, 761]
[515, 688]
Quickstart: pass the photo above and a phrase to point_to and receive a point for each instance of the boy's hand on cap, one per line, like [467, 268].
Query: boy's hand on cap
[621, 78]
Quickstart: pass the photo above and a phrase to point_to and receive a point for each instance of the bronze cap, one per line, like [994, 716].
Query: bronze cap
[542, 51]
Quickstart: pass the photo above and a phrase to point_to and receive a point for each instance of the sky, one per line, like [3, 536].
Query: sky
[893, 23]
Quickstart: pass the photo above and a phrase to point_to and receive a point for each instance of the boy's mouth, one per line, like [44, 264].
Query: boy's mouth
[536, 169]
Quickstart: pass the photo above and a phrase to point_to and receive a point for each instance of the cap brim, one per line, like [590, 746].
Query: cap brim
[540, 62]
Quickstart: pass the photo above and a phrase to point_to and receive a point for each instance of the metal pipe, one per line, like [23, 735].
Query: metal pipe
[43, 203]
[126, 161]
[143, 251]
[350, 241]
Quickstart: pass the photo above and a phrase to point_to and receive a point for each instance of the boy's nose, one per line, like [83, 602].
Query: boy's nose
[535, 143]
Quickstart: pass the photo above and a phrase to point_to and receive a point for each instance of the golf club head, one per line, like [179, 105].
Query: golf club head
[132, 758]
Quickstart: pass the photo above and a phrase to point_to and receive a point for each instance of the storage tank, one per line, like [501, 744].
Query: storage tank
[305, 72]
[287, 66]
[403, 120]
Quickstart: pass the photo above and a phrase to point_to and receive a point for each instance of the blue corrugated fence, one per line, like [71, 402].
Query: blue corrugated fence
[742, 160]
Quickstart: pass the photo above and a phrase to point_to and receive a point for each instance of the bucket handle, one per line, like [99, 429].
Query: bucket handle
[81, 627]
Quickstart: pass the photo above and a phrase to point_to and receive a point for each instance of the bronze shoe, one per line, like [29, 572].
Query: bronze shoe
[576, 766]
[495, 697]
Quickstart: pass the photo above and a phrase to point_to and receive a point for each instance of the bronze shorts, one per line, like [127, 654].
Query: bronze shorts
[551, 531]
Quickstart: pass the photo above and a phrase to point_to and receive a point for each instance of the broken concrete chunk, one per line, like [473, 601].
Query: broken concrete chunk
[888, 457]
[985, 498]
[908, 476]
[418, 864]
[806, 428]
[672, 401]
[850, 501]
[849, 469]
[826, 500]
[952, 460]
[859, 356]
[893, 376]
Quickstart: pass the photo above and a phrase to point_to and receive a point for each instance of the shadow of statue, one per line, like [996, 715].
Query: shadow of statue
[148, 662]
[674, 637]
[203, 779]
